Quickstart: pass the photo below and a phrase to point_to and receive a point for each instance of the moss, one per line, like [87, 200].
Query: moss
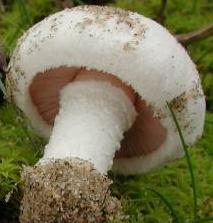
[172, 182]
[18, 146]
[16, 149]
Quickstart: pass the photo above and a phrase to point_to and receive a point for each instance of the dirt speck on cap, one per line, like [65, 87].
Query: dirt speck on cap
[102, 15]
[67, 191]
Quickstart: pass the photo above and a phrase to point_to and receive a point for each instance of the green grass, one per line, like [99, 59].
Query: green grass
[173, 183]
[20, 146]
[21, 16]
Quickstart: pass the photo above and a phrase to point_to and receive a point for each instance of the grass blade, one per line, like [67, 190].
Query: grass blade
[12, 38]
[188, 159]
[2, 87]
[79, 2]
[24, 13]
[194, 6]
[167, 203]
[208, 219]
[209, 122]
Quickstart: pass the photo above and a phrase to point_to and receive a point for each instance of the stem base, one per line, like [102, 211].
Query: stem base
[67, 191]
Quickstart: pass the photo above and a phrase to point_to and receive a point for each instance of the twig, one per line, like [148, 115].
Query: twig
[161, 15]
[188, 38]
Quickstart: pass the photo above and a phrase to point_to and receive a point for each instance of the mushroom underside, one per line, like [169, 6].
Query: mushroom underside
[144, 137]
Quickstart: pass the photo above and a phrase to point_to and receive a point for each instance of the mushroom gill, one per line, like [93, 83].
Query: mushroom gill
[144, 137]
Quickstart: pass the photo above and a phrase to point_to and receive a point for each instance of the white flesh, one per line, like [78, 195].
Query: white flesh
[92, 119]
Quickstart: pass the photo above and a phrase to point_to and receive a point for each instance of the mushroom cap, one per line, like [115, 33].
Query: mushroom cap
[135, 49]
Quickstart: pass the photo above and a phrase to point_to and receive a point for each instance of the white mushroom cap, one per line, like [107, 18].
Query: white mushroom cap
[135, 49]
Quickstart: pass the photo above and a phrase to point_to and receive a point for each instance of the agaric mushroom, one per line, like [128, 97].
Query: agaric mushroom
[97, 81]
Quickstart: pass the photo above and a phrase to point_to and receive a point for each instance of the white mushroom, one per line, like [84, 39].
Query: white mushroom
[97, 80]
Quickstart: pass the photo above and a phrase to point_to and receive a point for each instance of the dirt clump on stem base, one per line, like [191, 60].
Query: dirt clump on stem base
[67, 191]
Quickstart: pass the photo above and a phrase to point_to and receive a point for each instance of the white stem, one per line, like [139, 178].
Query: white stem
[92, 119]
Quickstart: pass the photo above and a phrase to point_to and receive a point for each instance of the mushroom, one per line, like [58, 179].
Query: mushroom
[96, 80]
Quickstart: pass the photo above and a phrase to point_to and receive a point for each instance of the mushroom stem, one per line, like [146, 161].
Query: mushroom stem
[90, 124]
